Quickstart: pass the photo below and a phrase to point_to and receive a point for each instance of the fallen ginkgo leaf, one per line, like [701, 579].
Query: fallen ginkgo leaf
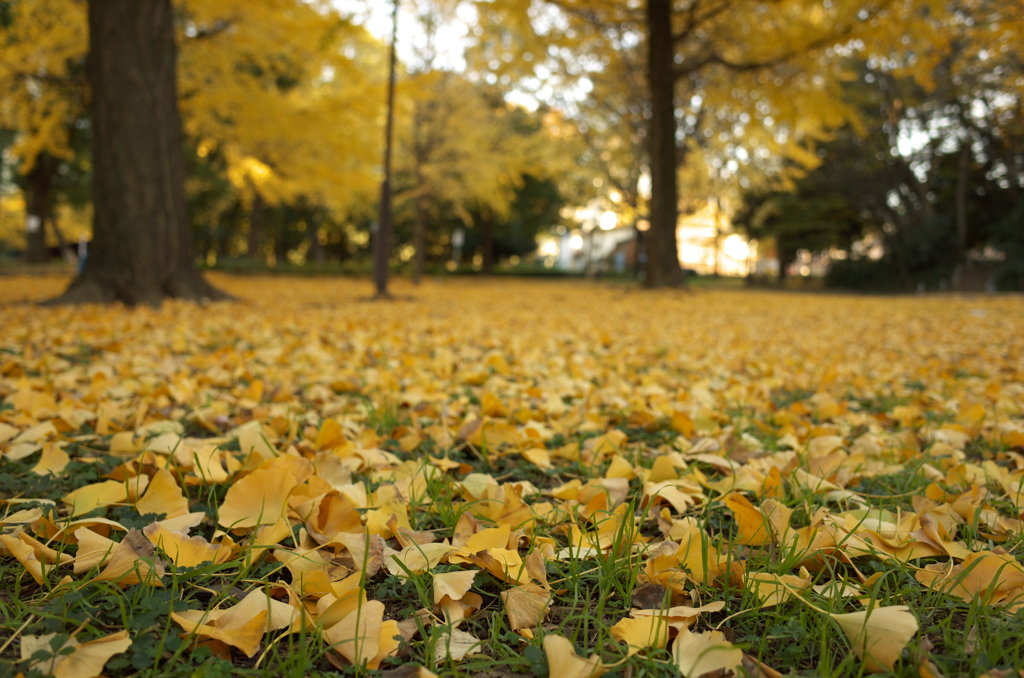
[132, 562]
[563, 662]
[85, 660]
[698, 653]
[453, 584]
[878, 635]
[259, 498]
[456, 645]
[641, 633]
[357, 636]
[526, 606]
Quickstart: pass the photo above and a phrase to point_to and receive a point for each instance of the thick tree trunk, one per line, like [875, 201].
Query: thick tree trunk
[663, 254]
[257, 219]
[142, 242]
[40, 181]
[419, 241]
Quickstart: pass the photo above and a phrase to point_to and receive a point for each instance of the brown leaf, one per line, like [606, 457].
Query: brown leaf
[648, 596]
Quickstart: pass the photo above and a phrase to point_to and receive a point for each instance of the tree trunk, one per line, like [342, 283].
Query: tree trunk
[663, 254]
[257, 219]
[142, 241]
[487, 231]
[316, 249]
[963, 167]
[40, 181]
[785, 259]
[419, 240]
[382, 242]
[65, 249]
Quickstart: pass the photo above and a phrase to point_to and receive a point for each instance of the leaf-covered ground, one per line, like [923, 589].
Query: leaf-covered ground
[511, 478]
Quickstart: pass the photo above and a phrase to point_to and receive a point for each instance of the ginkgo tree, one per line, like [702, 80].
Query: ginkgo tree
[466, 152]
[711, 60]
[292, 116]
[462, 148]
[289, 97]
[41, 79]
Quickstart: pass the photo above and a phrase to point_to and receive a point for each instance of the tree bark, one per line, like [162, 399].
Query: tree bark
[257, 219]
[142, 242]
[663, 268]
[786, 258]
[316, 249]
[40, 181]
[963, 167]
[487, 231]
[382, 242]
[419, 240]
[65, 250]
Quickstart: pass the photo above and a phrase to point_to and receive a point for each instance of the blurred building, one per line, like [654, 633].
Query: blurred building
[706, 240]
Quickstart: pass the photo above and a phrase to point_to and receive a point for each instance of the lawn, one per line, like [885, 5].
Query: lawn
[503, 478]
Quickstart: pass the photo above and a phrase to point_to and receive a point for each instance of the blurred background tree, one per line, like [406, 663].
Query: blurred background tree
[887, 133]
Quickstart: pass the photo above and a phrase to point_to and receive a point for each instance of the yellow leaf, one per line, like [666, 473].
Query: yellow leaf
[52, 460]
[388, 645]
[185, 551]
[772, 589]
[259, 498]
[246, 638]
[25, 555]
[416, 558]
[330, 435]
[490, 406]
[878, 636]
[254, 439]
[90, 497]
[641, 633]
[563, 662]
[679, 616]
[131, 562]
[163, 497]
[452, 584]
[539, 457]
[754, 530]
[505, 564]
[698, 653]
[357, 636]
[93, 549]
[983, 575]
[526, 606]
[86, 660]
[456, 645]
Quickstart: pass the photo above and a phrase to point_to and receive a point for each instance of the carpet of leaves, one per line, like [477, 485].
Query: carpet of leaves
[511, 478]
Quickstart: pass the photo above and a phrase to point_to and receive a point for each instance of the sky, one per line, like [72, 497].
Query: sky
[452, 39]
[376, 16]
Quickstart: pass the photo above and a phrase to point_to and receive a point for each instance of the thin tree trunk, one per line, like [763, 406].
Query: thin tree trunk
[40, 181]
[663, 254]
[316, 249]
[963, 166]
[419, 240]
[65, 250]
[142, 241]
[785, 259]
[257, 221]
[487, 231]
[382, 243]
